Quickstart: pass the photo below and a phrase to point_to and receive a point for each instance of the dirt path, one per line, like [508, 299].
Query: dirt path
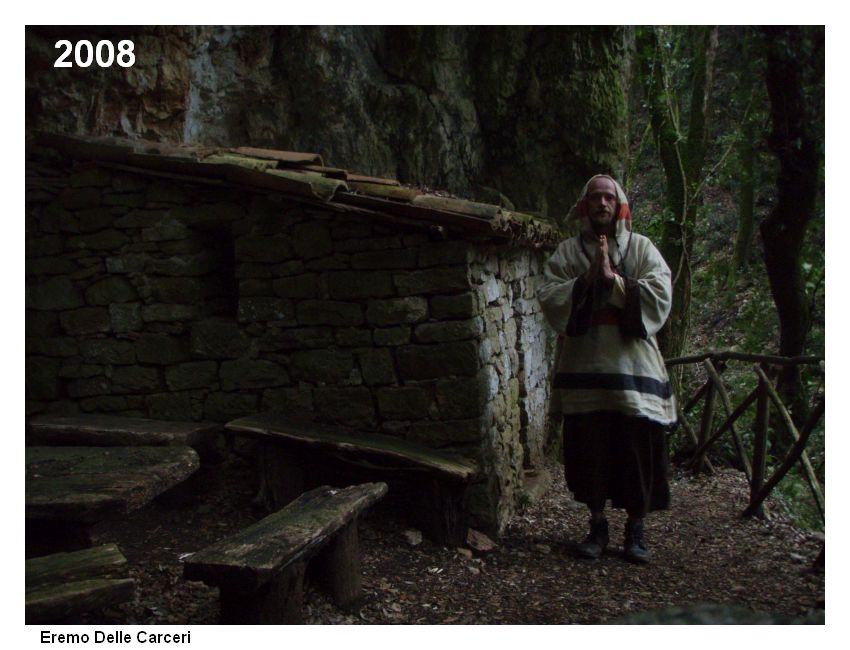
[703, 552]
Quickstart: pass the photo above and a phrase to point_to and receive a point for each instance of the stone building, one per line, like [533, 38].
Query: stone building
[192, 283]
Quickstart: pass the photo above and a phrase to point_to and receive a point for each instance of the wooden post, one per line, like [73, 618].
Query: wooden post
[760, 444]
[727, 406]
[792, 457]
[337, 568]
[692, 436]
[727, 423]
[808, 470]
[277, 602]
[280, 476]
[444, 511]
[705, 424]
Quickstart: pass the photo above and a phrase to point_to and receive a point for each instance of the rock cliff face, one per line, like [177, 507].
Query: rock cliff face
[519, 114]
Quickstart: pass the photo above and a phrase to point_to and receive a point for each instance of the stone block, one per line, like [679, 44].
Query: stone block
[311, 239]
[75, 198]
[403, 402]
[461, 398]
[194, 374]
[251, 373]
[104, 404]
[90, 177]
[352, 337]
[105, 240]
[439, 280]
[166, 230]
[168, 193]
[125, 199]
[337, 262]
[437, 360]
[222, 407]
[261, 308]
[376, 366]
[168, 313]
[401, 258]
[329, 312]
[41, 380]
[42, 323]
[55, 293]
[351, 229]
[451, 330]
[392, 336]
[463, 305]
[175, 406]
[439, 433]
[126, 317]
[135, 379]
[89, 320]
[110, 290]
[185, 265]
[107, 351]
[218, 339]
[129, 183]
[88, 387]
[129, 263]
[52, 347]
[76, 370]
[445, 253]
[351, 406]
[94, 219]
[292, 267]
[252, 287]
[397, 311]
[44, 246]
[371, 244]
[176, 290]
[208, 213]
[297, 286]
[359, 284]
[328, 366]
[290, 401]
[49, 266]
[161, 349]
[297, 339]
[253, 270]
[139, 219]
[263, 249]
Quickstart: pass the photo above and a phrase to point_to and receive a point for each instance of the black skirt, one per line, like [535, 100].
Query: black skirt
[608, 455]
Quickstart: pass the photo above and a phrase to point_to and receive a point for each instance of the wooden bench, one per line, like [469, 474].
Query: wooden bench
[260, 570]
[294, 456]
[69, 489]
[63, 585]
[95, 430]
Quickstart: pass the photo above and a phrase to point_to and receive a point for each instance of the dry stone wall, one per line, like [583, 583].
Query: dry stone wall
[154, 298]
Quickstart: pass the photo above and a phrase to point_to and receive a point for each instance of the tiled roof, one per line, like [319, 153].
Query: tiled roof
[304, 177]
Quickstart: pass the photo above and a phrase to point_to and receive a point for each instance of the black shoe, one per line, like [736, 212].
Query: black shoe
[595, 542]
[634, 546]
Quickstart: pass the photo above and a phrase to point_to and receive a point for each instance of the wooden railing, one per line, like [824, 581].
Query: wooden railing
[763, 396]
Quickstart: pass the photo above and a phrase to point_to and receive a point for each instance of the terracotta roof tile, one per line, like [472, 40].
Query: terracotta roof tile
[304, 175]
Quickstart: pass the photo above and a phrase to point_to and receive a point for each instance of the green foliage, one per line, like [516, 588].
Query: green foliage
[729, 310]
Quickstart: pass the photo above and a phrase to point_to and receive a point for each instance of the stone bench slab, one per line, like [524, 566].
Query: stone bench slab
[95, 430]
[357, 444]
[246, 561]
[64, 585]
[87, 484]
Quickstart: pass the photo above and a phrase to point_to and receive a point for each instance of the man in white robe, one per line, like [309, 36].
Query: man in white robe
[607, 293]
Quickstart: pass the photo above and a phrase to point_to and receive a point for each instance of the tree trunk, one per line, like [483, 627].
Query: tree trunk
[682, 163]
[793, 66]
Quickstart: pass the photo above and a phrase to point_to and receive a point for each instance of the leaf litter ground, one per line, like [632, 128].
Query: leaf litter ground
[703, 552]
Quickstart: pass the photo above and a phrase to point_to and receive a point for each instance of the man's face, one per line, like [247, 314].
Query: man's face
[601, 202]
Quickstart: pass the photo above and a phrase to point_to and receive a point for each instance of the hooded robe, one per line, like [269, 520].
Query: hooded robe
[609, 358]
